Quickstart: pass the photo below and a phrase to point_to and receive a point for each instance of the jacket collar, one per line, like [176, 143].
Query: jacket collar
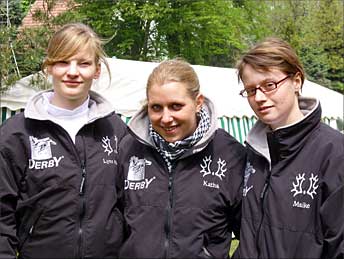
[139, 127]
[99, 107]
[284, 141]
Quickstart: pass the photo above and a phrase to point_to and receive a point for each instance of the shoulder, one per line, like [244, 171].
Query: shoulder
[112, 124]
[14, 134]
[328, 136]
[225, 144]
[12, 125]
[223, 138]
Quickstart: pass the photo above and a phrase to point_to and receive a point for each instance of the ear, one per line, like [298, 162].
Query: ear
[98, 70]
[297, 83]
[199, 102]
[49, 69]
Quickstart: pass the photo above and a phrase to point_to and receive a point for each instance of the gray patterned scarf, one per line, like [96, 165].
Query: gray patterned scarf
[171, 151]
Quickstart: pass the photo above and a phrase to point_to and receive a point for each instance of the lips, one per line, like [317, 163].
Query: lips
[170, 129]
[264, 108]
[71, 83]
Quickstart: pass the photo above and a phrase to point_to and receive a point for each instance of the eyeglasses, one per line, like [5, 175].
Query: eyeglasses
[264, 87]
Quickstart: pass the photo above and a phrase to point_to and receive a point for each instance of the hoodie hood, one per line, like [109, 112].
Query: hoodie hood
[139, 124]
[99, 107]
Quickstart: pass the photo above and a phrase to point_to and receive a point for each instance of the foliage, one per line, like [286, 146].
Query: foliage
[24, 48]
[315, 30]
[203, 32]
[8, 73]
[15, 12]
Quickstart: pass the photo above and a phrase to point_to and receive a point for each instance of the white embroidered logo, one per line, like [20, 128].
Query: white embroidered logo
[136, 174]
[40, 148]
[220, 167]
[206, 171]
[312, 187]
[249, 170]
[107, 145]
[301, 188]
[41, 155]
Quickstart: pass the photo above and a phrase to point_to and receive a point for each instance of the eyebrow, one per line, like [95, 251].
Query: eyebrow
[269, 79]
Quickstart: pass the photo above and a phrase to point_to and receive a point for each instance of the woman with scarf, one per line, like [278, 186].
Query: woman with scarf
[182, 173]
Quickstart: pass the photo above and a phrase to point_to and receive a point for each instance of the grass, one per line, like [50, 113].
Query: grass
[233, 247]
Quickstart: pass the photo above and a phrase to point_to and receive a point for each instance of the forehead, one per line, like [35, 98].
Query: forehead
[251, 75]
[168, 92]
[83, 54]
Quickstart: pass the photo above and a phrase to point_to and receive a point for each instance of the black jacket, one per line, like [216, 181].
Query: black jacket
[293, 204]
[190, 212]
[59, 199]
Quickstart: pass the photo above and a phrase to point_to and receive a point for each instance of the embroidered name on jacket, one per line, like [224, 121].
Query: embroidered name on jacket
[206, 171]
[304, 187]
[136, 174]
[41, 154]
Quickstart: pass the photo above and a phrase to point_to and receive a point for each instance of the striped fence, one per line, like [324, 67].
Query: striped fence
[237, 127]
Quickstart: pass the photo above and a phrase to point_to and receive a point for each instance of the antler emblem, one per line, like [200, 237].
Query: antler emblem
[312, 187]
[107, 145]
[298, 186]
[220, 167]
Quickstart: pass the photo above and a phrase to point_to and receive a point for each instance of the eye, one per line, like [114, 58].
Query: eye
[269, 86]
[85, 63]
[251, 91]
[177, 106]
[62, 62]
[155, 107]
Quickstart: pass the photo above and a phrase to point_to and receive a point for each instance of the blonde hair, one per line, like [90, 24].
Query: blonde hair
[69, 40]
[175, 70]
[272, 53]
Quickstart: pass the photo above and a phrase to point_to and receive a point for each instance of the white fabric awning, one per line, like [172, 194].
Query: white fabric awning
[126, 91]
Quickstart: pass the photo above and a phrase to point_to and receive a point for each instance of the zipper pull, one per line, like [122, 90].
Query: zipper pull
[31, 230]
[264, 190]
[82, 184]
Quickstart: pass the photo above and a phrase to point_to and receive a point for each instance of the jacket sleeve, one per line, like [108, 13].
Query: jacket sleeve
[332, 209]
[8, 202]
[238, 170]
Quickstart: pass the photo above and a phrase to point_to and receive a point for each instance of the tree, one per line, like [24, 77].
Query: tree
[10, 16]
[315, 30]
[203, 32]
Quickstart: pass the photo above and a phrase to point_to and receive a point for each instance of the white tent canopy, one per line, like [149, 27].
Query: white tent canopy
[126, 91]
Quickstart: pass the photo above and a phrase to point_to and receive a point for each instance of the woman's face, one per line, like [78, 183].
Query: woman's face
[278, 107]
[172, 111]
[72, 79]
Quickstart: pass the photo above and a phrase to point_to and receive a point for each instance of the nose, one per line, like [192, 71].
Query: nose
[259, 96]
[166, 117]
[73, 69]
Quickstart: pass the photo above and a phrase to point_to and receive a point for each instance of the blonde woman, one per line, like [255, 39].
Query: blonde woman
[58, 197]
[182, 173]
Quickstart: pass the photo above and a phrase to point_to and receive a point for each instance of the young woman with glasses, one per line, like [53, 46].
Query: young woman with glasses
[294, 179]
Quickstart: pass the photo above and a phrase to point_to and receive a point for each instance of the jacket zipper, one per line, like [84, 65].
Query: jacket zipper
[262, 197]
[81, 187]
[82, 211]
[169, 208]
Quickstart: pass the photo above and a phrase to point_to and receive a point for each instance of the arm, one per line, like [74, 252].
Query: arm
[8, 203]
[332, 209]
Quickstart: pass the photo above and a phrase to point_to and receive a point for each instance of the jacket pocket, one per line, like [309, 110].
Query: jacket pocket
[28, 224]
